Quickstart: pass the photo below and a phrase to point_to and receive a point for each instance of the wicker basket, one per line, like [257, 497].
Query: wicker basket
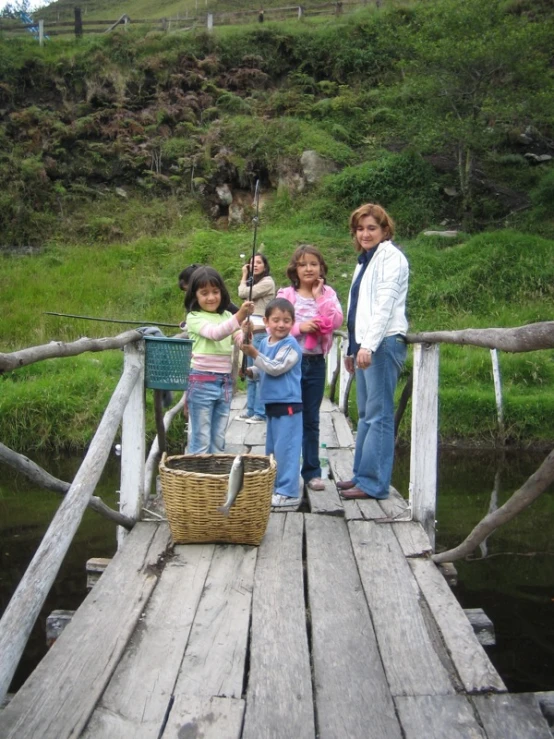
[195, 485]
[167, 363]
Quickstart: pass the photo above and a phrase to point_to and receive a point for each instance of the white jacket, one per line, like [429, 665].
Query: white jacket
[381, 307]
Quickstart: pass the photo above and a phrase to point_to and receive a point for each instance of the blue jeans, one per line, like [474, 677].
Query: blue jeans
[313, 387]
[375, 386]
[284, 441]
[209, 404]
[254, 406]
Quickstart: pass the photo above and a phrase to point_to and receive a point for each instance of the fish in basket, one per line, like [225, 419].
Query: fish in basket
[217, 497]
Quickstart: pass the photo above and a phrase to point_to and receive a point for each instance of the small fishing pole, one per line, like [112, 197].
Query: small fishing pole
[255, 221]
[111, 320]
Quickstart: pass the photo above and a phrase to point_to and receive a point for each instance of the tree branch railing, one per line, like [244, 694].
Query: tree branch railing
[25, 605]
[424, 430]
[44, 479]
[127, 407]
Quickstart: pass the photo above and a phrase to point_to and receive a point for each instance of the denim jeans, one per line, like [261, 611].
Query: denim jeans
[313, 387]
[284, 441]
[375, 386]
[209, 404]
[254, 406]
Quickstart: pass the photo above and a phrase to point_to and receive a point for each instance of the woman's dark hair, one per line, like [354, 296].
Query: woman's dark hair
[186, 274]
[266, 271]
[302, 250]
[201, 277]
[279, 304]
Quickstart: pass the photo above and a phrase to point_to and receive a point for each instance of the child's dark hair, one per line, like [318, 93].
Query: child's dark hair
[279, 304]
[186, 274]
[201, 277]
[266, 271]
[302, 250]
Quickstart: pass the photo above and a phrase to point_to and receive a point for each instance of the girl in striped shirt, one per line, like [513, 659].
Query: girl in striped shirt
[211, 327]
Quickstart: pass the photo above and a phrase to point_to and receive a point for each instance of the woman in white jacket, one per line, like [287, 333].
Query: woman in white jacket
[377, 348]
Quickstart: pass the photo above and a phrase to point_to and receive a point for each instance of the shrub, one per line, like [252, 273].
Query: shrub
[403, 183]
[543, 194]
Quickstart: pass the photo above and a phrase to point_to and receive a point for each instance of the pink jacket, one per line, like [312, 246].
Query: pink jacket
[328, 307]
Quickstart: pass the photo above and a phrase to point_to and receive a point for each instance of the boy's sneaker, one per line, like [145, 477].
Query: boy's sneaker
[244, 416]
[255, 419]
[278, 500]
[316, 483]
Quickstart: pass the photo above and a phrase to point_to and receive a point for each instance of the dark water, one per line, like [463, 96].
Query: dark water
[25, 513]
[513, 583]
[513, 580]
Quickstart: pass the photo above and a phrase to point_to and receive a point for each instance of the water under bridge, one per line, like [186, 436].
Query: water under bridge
[338, 626]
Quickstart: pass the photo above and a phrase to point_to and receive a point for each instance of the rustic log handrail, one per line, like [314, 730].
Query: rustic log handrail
[24, 607]
[54, 349]
[128, 399]
[528, 338]
[44, 479]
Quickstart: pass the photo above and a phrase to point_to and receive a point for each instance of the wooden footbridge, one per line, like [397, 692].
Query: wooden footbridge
[339, 626]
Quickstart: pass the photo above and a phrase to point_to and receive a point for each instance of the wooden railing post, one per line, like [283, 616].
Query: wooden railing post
[423, 457]
[24, 607]
[78, 23]
[345, 379]
[332, 359]
[133, 443]
[498, 394]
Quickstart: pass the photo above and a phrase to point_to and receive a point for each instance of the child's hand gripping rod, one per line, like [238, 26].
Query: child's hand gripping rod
[255, 221]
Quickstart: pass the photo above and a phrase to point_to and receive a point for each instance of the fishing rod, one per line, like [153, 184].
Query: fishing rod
[112, 320]
[255, 221]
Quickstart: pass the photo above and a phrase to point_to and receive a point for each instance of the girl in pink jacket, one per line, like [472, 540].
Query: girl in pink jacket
[318, 314]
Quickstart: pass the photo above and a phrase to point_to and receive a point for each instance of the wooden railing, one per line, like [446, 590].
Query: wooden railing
[49, 28]
[127, 407]
[28, 599]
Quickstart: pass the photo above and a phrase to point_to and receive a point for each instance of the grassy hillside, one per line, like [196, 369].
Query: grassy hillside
[108, 9]
[441, 127]
[114, 149]
[499, 279]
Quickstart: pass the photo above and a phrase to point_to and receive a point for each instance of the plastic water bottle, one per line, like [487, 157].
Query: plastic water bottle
[324, 462]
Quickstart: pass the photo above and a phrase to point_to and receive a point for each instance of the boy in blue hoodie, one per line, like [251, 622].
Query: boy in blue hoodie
[278, 365]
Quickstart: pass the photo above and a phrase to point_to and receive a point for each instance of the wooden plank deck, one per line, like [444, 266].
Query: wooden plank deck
[338, 626]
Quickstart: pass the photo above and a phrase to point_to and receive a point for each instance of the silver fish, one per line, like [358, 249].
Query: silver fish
[236, 481]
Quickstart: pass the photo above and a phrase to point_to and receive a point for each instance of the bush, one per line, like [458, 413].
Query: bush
[486, 273]
[404, 184]
[543, 195]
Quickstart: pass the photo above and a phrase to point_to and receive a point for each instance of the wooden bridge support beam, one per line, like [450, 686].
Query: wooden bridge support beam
[423, 455]
[133, 443]
[24, 607]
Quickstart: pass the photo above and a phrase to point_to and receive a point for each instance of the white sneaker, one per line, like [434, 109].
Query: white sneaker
[244, 416]
[255, 419]
[278, 500]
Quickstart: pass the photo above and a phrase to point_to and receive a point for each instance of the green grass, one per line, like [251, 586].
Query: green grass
[58, 403]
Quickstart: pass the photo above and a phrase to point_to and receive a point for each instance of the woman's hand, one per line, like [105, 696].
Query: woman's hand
[245, 271]
[363, 359]
[246, 309]
[317, 288]
[308, 327]
[349, 364]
